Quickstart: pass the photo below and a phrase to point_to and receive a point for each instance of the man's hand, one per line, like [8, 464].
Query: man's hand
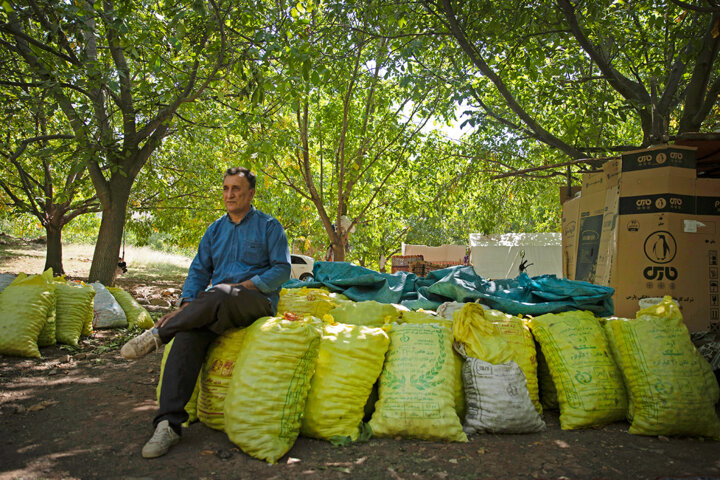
[248, 284]
[164, 319]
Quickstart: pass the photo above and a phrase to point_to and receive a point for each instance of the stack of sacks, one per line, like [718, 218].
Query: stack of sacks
[589, 385]
[315, 302]
[26, 306]
[500, 371]
[671, 387]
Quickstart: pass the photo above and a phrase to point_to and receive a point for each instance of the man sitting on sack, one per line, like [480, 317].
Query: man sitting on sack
[244, 256]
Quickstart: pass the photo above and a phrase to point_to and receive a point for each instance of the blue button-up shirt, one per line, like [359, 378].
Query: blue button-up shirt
[255, 249]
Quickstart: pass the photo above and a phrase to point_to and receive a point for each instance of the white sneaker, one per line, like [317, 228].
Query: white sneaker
[161, 441]
[141, 345]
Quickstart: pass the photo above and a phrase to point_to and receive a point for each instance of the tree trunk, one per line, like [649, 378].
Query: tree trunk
[338, 249]
[53, 254]
[107, 248]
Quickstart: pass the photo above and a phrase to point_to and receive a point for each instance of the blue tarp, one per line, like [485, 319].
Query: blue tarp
[521, 295]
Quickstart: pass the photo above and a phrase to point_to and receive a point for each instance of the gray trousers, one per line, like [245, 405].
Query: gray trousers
[193, 329]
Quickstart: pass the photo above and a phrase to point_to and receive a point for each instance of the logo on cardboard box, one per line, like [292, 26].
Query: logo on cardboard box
[660, 248]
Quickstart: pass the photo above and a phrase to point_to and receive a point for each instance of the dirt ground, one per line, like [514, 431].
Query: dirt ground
[85, 413]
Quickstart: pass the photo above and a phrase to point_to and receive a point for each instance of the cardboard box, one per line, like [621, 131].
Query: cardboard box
[592, 205]
[652, 235]
[570, 230]
[707, 246]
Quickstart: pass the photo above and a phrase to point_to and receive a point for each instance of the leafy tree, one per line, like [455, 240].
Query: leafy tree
[582, 76]
[119, 72]
[39, 178]
[346, 112]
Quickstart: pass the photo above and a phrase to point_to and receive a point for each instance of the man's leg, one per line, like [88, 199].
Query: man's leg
[182, 368]
[221, 307]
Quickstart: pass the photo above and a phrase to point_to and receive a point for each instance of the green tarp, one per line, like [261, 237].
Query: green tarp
[522, 295]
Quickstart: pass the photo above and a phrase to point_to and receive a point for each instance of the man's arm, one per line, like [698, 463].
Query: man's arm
[279, 253]
[198, 278]
[200, 272]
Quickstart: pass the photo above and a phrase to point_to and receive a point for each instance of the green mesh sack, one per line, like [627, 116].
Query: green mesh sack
[589, 384]
[191, 405]
[216, 375]
[268, 390]
[24, 307]
[315, 302]
[74, 309]
[668, 381]
[420, 317]
[349, 362]
[369, 313]
[135, 313]
[496, 337]
[417, 386]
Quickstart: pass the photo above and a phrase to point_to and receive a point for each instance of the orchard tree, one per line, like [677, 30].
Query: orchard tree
[585, 77]
[347, 111]
[120, 72]
[40, 177]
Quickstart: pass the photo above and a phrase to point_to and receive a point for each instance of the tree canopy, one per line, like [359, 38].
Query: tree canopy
[136, 108]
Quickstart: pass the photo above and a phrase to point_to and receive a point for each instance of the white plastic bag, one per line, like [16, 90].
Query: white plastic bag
[107, 312]
[497, 398]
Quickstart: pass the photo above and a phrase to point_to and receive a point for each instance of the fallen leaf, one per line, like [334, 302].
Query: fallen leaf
[562, 444]
[481, 451]
[292, 460]
[207, 452]
[441, 474]
[360, 460]
[663, 438]
[41, 406]
[453, 460]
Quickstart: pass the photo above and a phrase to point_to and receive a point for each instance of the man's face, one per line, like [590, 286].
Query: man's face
[237, 194]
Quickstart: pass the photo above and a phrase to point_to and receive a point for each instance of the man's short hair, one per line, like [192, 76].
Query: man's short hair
[241, 171]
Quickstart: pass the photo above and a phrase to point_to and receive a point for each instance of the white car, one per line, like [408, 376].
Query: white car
[302, 267]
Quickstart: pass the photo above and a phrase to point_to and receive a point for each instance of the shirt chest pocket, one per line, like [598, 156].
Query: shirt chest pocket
[254, 253]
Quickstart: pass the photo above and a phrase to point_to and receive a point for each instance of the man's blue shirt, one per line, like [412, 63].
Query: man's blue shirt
[255, 249]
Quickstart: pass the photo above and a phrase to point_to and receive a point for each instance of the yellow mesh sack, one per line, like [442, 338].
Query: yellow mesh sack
[24, 307]
[671, 386]
[417, 385]
[422, 317]
[589, 384]
[269, 387]
[74, 308]
[496, 337]
[191, 405]
[135, 313]
[316, 302]
[215, 377]
[349, 362]
[369, 313]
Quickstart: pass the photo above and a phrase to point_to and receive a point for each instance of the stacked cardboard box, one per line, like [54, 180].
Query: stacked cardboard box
[656, 234]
